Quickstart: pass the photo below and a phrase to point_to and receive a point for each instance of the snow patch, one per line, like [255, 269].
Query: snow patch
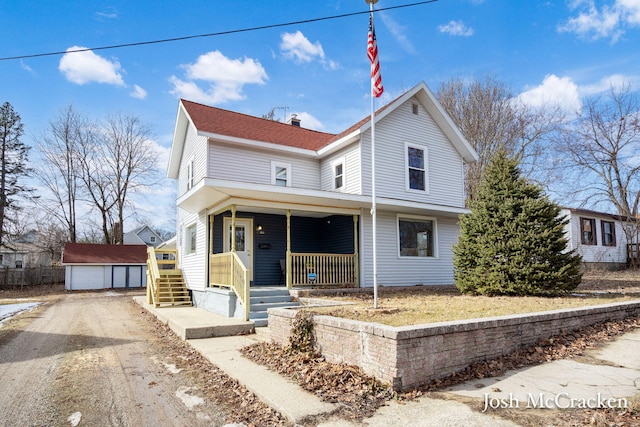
[190, 400]
[9, 310]
[74, 419]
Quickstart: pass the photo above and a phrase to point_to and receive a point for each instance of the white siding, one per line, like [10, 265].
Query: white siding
[444, 167]
[194, 149]
[254, 166]
[596, 253]
[193, 265]
[394, 270]
[352, 170]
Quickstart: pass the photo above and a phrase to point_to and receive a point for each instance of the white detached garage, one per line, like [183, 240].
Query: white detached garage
[91, 266]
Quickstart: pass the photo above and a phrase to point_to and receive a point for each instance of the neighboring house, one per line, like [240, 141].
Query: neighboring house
[142, 236]
[168, 244]
[600, 238]
[299, 200]
[25, 251]
[93, 266]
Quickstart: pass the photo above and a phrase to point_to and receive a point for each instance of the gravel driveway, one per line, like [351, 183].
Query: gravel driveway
[88, 359]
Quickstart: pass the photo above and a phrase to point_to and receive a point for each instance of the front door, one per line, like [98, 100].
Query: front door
[244, 241]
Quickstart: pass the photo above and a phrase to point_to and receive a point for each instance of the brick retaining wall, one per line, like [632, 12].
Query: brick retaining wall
[410, 356]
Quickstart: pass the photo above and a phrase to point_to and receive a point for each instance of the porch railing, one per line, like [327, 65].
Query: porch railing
[227, 270]
[313, 269]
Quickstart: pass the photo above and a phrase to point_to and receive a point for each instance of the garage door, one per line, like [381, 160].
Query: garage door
[87, 277]
[127, 276]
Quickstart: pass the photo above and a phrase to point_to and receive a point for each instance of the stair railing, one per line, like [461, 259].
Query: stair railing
[228, 270]
[153, 277]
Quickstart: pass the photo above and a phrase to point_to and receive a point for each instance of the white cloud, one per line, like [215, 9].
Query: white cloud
[26, 67]
[86, 67]
[456, 28]
[297, 47]
[605, 84]
[307, 121]
[610, 21]
[399, 32]
[224, 78]
[138, 92]
[554, 90]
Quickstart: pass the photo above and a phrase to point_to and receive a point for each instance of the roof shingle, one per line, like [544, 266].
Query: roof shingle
[86, 253]
[230, 123]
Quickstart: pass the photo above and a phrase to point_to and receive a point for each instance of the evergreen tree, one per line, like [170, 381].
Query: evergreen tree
[13, 166]
[513, 241]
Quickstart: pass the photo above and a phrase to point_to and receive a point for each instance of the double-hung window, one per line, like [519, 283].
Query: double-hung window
[588, 231]
[281, 174]
[338, 174]
[608, 233]
[190, 181]
[416, 167]
[191, 239]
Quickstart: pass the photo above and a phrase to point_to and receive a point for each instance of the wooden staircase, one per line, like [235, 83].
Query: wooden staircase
[172, 290]
[165, 284]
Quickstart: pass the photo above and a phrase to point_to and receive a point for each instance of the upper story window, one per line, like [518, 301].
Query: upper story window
[416, 167]
[608, 233]
[190, 174]
[281, 174]
[152, 239]
[588, 231]
[338, 174]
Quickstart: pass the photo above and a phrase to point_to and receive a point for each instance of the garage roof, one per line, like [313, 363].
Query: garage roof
[87, 253]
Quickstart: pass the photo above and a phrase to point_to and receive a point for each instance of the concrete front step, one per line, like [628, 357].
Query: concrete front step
[262, 299]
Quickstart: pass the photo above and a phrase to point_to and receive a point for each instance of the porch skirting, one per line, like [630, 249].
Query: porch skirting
[221, 301]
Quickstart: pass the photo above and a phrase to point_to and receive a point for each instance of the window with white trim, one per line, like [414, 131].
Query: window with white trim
[190, 235]
[416, 167]
[338, 174]
[416, 236]
[190, 181]
[281, 174]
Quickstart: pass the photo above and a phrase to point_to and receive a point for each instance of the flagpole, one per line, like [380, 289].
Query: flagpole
[373, 179]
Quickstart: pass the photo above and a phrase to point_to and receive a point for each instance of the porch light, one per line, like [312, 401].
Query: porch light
[259, 229]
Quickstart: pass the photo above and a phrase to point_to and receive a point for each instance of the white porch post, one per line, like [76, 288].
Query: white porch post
[288, 254]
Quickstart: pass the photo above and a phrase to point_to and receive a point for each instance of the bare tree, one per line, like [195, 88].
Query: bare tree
[602, 147]
[492, 119]
[60, 170]
[131, 158]
[96, 177]
[118, 159]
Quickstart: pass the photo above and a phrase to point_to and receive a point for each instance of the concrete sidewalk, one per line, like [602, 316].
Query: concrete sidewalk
[614, 375]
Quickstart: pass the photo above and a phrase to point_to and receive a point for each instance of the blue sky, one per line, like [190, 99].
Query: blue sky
[544, 50]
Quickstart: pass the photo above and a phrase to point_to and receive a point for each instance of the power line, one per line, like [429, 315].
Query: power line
[220, 33]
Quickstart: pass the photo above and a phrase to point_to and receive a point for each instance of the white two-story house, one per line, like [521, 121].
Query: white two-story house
[273, 204]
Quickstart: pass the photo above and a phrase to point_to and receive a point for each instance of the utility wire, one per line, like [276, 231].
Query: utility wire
[221, 33]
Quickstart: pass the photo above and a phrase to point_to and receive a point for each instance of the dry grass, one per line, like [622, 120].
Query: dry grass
[428, 305]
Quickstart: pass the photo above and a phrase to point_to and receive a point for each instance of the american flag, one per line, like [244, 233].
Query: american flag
[372, 53]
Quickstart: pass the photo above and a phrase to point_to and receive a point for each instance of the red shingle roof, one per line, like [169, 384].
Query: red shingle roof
[85, 253]
[229, 123]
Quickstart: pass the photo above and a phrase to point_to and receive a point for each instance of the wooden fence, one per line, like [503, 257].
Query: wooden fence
[42, 275]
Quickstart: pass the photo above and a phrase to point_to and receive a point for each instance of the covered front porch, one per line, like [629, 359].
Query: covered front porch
[284, 248]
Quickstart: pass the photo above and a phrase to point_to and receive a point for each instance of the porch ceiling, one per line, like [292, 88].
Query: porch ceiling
[218, 195]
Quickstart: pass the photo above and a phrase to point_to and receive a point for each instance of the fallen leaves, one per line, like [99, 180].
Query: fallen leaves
[358, 393]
